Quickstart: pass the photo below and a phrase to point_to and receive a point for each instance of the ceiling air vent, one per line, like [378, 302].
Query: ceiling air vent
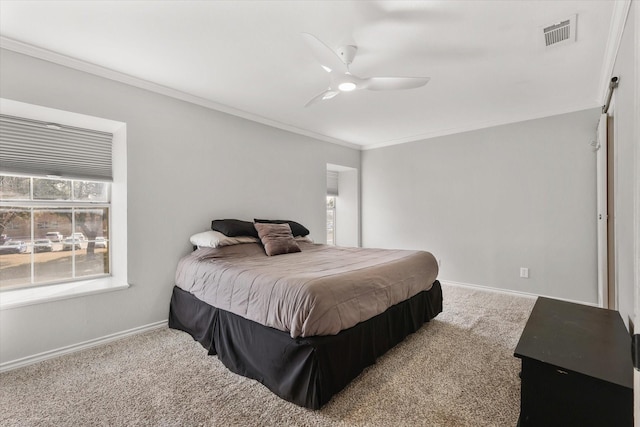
[561, 32]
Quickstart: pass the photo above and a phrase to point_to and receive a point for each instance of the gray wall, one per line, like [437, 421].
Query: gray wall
[625, 144]
[490, 201]
[186, 166]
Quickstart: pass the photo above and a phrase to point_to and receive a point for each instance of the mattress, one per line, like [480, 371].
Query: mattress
[319, 291]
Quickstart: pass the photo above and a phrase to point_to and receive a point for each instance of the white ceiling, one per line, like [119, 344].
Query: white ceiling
[486, 59]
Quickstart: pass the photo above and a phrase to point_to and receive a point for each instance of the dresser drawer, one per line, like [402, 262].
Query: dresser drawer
[553, 396]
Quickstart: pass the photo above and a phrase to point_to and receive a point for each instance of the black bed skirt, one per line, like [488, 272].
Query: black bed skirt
[305, 371]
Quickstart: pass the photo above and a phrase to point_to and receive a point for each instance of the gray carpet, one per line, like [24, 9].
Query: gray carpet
[458, 370]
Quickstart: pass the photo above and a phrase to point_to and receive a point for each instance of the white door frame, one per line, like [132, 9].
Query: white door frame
[636, 210]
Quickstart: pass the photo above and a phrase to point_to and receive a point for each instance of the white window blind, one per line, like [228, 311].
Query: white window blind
[332, 183]
[36, 148]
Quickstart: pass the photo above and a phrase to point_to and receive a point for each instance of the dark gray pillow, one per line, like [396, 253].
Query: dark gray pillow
[276, 238]
[234, 227]
[296, 228]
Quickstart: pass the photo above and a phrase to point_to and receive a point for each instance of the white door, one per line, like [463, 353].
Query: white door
[636, 372]
[601, 205]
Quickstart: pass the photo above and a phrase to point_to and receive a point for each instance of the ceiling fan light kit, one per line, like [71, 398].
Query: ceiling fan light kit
[347, 86]
[337, 62]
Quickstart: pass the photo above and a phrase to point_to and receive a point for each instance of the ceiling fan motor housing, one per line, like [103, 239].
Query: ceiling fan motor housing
[347, 53]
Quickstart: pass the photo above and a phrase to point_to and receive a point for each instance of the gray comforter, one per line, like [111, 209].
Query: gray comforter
[319, 291]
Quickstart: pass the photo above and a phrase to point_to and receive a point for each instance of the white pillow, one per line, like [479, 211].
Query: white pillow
[215, 239]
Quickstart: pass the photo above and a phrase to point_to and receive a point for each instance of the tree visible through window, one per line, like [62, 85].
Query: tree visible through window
[52, 230]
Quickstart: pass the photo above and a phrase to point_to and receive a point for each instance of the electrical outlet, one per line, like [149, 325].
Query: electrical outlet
[524, 272]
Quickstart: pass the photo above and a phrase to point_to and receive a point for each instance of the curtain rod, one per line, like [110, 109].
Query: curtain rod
[612, 85]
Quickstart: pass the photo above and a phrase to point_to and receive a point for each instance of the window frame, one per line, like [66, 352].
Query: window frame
[118, 280]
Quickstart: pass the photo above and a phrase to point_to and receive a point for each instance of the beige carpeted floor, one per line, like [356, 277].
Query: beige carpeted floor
[458, 370]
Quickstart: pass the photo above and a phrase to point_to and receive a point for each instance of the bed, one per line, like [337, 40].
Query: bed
[304, 323]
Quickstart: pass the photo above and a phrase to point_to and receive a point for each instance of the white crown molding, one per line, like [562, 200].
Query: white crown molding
[87, 67]
[621, 10]
[483, 125]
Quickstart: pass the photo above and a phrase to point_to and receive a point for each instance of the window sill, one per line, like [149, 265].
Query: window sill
[39, 295]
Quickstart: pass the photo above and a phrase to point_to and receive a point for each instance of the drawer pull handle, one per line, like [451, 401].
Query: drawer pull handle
[560, 371]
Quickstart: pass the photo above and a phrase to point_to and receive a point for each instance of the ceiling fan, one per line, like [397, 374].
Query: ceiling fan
[336, 63]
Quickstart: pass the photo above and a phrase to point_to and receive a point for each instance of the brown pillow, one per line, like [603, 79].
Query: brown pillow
[297, 229]
[277, 238]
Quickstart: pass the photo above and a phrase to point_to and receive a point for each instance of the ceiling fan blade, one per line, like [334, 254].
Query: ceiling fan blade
[394, 83]
[326, 56]
[327, 94]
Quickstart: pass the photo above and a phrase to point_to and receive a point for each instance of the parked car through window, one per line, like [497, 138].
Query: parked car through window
[13, 247]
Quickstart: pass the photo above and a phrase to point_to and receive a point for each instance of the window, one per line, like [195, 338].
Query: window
[62, 172]
[331, 220]
[53, 230]
[332, 193]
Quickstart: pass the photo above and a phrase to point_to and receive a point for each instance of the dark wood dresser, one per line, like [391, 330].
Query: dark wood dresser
[576, 367]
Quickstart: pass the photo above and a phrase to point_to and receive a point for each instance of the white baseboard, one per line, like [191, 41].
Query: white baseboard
[29, 360]
[511, 292]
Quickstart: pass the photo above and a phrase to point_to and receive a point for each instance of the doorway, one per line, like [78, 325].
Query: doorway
[343, 207]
